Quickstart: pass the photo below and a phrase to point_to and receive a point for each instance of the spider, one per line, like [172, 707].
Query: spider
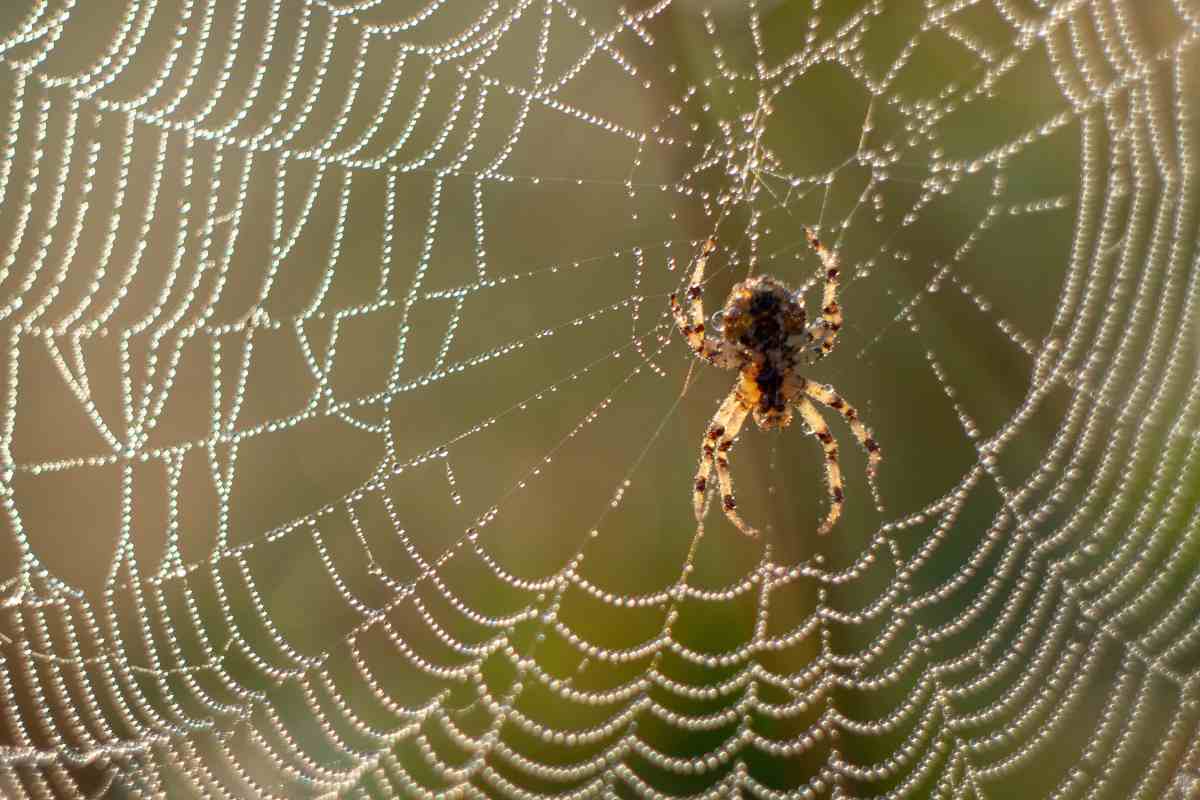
[764, 335]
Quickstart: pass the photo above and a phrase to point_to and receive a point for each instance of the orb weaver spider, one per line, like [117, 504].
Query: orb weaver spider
[764, 335]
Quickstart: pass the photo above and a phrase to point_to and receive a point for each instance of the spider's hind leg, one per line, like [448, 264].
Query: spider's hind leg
[833, 472]
[826, 396]
[714, 452]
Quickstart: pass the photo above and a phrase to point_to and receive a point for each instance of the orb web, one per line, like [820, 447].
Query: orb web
[347, 438]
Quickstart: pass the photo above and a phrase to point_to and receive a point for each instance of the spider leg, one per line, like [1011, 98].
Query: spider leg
[831, 311]
[691, 321]
[728, 504]
[714, 452]
[695, 288]
[833, 473]
[708, 448]
[826, 396]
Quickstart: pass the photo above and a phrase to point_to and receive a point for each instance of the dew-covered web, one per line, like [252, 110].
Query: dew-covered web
[347, 440]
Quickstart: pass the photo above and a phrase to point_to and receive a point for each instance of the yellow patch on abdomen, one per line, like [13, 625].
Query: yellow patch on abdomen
[748, 385]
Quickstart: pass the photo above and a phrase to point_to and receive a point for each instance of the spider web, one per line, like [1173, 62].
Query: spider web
[347, 440]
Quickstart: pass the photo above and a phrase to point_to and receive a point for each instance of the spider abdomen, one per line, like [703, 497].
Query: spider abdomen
[762, 390]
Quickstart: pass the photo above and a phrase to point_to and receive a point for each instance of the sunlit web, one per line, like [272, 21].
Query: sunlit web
[347, 440]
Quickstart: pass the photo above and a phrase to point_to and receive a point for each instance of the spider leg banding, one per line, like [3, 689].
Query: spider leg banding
[831, 312]
[714, 454]
[691, 322]
[764, 335]
[827, 397]
[833, 471]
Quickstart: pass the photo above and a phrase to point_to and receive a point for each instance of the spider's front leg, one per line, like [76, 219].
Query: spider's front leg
[691, 322]
[831, 312]
[714, 452]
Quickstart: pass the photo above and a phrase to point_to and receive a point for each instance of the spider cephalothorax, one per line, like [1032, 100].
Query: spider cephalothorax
[765, 336]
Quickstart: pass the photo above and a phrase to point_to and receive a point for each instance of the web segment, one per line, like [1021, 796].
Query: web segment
[347, 437]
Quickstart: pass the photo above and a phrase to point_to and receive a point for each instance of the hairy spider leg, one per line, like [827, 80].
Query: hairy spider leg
[714, 451]
[831, 311]
[691, 322]
[708, 446]
[696, 289]
[833, 473]
[826, 396]
[728, 504]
